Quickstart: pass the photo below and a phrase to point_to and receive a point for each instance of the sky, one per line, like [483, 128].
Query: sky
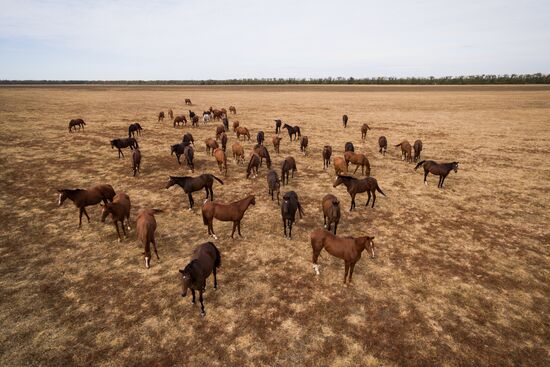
[215, 39]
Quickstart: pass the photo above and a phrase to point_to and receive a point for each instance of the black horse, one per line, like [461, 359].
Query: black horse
[438, 169]
[76, 122]
[124, 143]
[289, 206]
[133, 129]
[192, 184]
[260, 137]
[278, 124]
[293, 131]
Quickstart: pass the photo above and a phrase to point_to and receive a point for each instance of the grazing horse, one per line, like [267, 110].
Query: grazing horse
[223, 139]
[260, 137]
[278, 124]
[206, 259]
[348, 249]
[276, 143]
[288, 164]
[383, 144]
[345, 120]
[289, 206]
[232, 212]
[364, 130]
[340, 165]
[119, 209]
[76, 122]
[417, 146]
[124, 143]
[225, 123]
[406, 151]
[188, 139]
[348, 147]
[146, 225]
[136, 161]
[188, 102]
[133, 129]
[327, 152]
[217, 114]
[331, 210]
[233, 110]
[219, 131]
[241, 130]
[253, 165]
[170, 114]
[83, 198]
[221, 158]
[161, 116]
[438, 169]
[195, 121]
[293, 131]
[357, 186]
[303, 144]
[274, 184]
[358, 159]
[238, 153]
[262, 152]
[235, 126]
[192, 184]
[211, 144]
[180, 120]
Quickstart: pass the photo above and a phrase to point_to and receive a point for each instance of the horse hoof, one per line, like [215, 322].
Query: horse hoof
[190, 209]
[203, 314]
[215, 237]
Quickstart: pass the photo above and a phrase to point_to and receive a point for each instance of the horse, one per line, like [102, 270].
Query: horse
[260, 137]
[232, 212]
[133, 129]
[161, 116]
[225, 122]
[191, 114]
[438, 169]
[223, 139]
[211, 144]
[238, 153]
[273, 184]
[383, 144]
[276, 143]
[253, 165]
[195, 121]
[293, 131]
[348, 147]
[224, 111]
[233, 110]
[235, 126]
[146, 225]
[170, 114]
[206, 259]
[219, 131]
[364, 130]
[289, 206]
[188, 102]
[118, 209]
[217, 114]
[417, 146]
[356, 186]
[348, 249]
[243, 131]
[206, 117]
[331, 210]
[178, 149]
[76, 122]
[86, 197]
[124, 143]
[303, 144]
[327, 152]
[288, 164]
[136, 161]
[278, 124]
[405, 151]
[192, 184]
[340, 165]
[188, 139]
[262, 152]
[189, 153]
[180, 120]
[221, 158]
[345, 120]
[358, 159]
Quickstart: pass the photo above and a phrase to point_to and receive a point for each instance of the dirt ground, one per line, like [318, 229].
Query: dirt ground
[461, 276]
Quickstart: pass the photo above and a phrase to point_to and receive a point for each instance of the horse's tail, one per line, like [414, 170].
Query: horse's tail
[218, 260]
[419, 164]
[301, 210]
[379, 189]
[298, 131]
[220, 181]
[204, 219]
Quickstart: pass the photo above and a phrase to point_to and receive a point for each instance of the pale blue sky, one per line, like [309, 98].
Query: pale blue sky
[193, 39]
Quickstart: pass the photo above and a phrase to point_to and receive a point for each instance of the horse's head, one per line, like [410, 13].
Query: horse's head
[339, 181]
[173, 149]
[369, 244]
[455, 166]
[105, 210]
[62, 196]
[113, 142]
[253, 201]
[185, 280]
[171, 182]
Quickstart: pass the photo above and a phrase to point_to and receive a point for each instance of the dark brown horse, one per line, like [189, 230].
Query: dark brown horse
[345, 120]
[136, 161]
[119, 210]
[278, 124]
[358, 159]
[260, 137]
[303, 144]
[124, 143]
[188, 139]
[76, 122]
[195, 121]
[383, 144]
[288, 164]
[180, 120]
[224, 139]
[225, 122]
[219, 131]
[327, 153]
[206, 259]
[357, 186]
[161, 116]
[348, 249]
[276, 143]
[253, 166]
[406, 151]
[262, 152]
[188, 102]
[83, 198]
[178, 150]
[348, 147]
[192, 184]
[232, 212]
[189, 153]
[417, 146]
[331, 211]
[289, 206]
[146, 225]
[273, 184]
[170, 114]
[438, 169]
[293, 131]
[133, 129]
[364, 130]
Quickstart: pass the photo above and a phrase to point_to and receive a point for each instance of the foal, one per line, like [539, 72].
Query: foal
[83, 198]
[192, 184]
[274, 184]
[118, 209]
[441, 170]
[348, 249]
[331, 210]
[233, 212]
[146, 225]
[356, 186]
[327, 153]
[288, 164]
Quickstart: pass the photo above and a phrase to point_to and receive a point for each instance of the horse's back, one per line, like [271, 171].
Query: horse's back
[146, 225]
[206, 255]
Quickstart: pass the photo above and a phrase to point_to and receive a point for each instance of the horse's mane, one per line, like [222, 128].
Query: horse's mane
[347, 177]
[191, 269]
[72, 190]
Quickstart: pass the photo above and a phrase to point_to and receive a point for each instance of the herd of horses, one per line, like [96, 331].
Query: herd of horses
[206, 257]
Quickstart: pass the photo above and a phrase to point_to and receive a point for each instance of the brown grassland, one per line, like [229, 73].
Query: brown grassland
[461, 275]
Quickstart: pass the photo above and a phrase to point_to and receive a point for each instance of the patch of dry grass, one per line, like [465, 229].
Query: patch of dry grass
[461, 274]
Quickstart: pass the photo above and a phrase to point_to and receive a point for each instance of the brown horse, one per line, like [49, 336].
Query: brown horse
[233, 212]
[161, 116]
[221, 158]
[288, 164]
[195, 121]
[136, 161]
[358, 159]
[278, 124]
[235, 126]
[438, 169]
[277, 143]
[238, 153]
[345, 120]
[327, 153]
[303, 144]
[124, 143]
[331, 210]
[233, 110]
[206, 259]
[217, 114]
[406, 151]
[262, 152]
[340, 165]
[293, 131]
[224, 139]
[348, 249]
[170, 114]
[76, 122]
[253, 166]
[417, 146]
[383, 144]
[192, 184]
[289, 206]
[364, 130]
[274, 184]
[357, 186]
[146, 225]
[181, 119]
[118, 209]
[241, 130]
[83, 198]
[219, 131]
[188, 102]
[211, 145]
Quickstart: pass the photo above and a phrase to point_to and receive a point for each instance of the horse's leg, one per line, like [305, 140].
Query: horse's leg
[443, 180]
[373, 198]
[335, 226]
[352, 202]
[211, 193]
[352, 266]
[211, 226]
[155, 248]
[290, 229]
[239, 228]
[86, 214]
[367, 204]
[425, 177]
[123, 229]
[80, 217]
[193, 293]
[215, 278]
[117, 231]
[346, 271]
[191, 202]
[284, 226]
[439, 183]
[356, 167]
[234, 227]
[202, 304]
[325, 221]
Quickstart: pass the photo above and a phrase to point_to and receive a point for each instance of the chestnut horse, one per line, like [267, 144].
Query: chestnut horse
[253, 165]
[356, 186]
[348, 249]
[358, 159]
[340, 165]
[238, 153]
[83, 198]
[327, 152]
[288, 164]
[383, 144]
[241, 130]
[188, 102]
[331, 210]
[276, 143]
[221, 158]
[345, 120]
[170, 114]
[235, 126]
[364, 130]
[211, 145]
[219, 131]
[119, 209]
[406, 151]
[224, 139]
[136, 161]
[233, 110]
[438, 169]
[180, 120]
[232, 212]
[146, 225]
[192, 184]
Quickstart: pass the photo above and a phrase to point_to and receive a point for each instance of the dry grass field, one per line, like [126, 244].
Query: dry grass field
[461, 276]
